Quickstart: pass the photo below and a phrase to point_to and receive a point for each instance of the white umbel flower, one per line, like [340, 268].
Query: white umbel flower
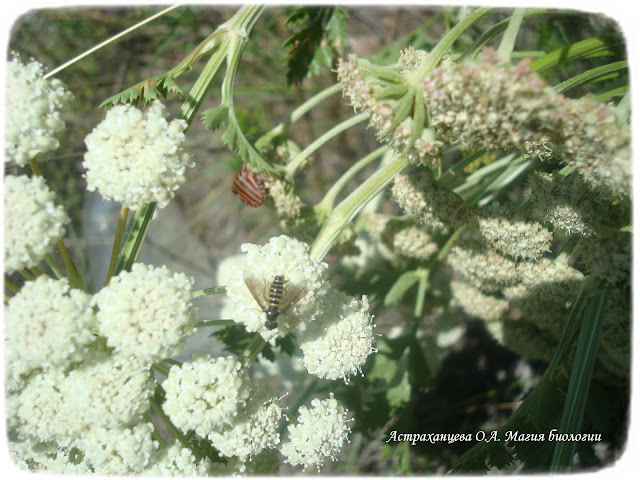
[254, 428]
[33, 107]
[338, 345]
[121, 451]
[136, 157]
[286, 257]
[47, 323]
[146, 313]
[33, 456]
[319, 434]
[178, 461]
[33, 222]
[205, 394]
[61, 407]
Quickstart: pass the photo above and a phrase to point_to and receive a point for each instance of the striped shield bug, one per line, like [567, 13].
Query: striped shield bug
[249, 188]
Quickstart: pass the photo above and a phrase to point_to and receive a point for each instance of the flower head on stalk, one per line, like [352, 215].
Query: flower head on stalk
[58, 405]
[32, 111]
[146, 313]
[136, 157]
[320, 433]
[338, 344]
[254, 429]
[206, 394]
[33, 222]
[396, 106]
[47, 324]
[248, 290]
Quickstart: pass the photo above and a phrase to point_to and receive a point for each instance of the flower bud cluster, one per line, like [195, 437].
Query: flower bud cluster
[429, 204]
[396, 109]
[567, 203]
[33, 111]
[488, 104]
[510, 234]
[496, 106]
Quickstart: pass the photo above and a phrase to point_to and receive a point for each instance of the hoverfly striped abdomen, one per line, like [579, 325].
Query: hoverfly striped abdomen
[275, 298]
[276, 292]
[249, 188]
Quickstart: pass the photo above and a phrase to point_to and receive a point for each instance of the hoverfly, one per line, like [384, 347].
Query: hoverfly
[273, 299]
[249, 188]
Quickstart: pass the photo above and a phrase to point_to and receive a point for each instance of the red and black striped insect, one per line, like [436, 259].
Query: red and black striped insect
[275, 299]
[249, 188]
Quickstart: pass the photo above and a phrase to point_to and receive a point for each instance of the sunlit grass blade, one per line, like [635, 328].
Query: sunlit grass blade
[580, 380]
[590, 75]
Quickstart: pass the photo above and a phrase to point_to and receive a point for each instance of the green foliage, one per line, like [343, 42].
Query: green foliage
[146, 91]
[214, 117]
[236, 340]
[322, 32]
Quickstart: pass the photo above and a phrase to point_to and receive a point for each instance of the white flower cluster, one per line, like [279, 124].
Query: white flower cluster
[215, 399]
[178, 461]
[253, 430]
[205, 394]
[319, 433]
[69, 390]
[58, 407]
[33, 222]
[47, 324]
[335, 331]
[146, 313]
[286, 257]
[337, 345]
[33, 107]
[136, 157]
[120, 451]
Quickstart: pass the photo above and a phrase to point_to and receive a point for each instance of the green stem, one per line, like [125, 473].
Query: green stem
[35, 167]
[203, 83]
[11, 286]
[53, 266]
[155, 433]
[72, 272]
[423, 284]
[27, 276]
[509, 38]
[350, 206]
[117, 241]
[327, 203]
[444, 251]
[134, 237]
[208, 291]
[296, 115]
[174, 430]
[296, 161]
[436, 54]
[215, 323]
[253, 349]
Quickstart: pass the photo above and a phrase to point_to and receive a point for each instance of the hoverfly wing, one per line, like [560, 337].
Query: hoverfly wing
[292, 295]
[256, 287]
